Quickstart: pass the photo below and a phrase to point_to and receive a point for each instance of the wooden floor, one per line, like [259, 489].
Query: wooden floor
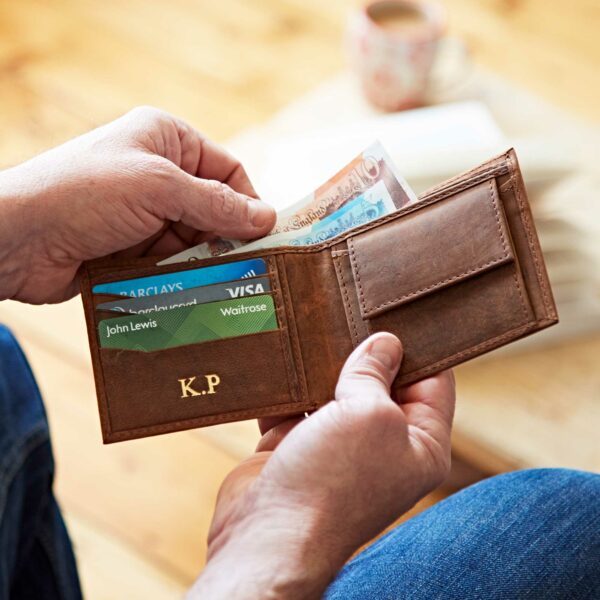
[139, 511]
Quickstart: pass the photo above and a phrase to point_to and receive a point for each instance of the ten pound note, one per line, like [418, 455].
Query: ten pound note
[367, 188]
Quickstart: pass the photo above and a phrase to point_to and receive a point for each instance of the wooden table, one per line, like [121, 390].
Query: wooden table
[139, 512]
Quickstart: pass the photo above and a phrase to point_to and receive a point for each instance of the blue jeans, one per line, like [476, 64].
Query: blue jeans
[529, 534]
[36, 558]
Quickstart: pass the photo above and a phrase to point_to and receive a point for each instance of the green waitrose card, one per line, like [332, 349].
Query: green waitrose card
[189, 324]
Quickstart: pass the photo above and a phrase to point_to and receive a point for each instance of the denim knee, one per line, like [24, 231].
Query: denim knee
[580, 488]
[527, 534]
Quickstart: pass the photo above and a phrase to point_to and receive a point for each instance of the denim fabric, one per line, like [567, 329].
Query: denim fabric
[36, 559]
[528, 534]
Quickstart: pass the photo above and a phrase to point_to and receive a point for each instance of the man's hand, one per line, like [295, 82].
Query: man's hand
[319, 487]
[145, 184]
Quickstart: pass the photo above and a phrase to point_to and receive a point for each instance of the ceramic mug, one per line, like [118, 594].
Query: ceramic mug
[393, 46]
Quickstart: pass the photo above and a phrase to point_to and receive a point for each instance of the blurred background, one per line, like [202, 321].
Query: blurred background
[278, 82]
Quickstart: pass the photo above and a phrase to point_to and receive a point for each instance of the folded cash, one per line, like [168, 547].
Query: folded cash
[366, 188]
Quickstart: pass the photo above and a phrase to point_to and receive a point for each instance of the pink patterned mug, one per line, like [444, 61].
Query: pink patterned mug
[393, 45]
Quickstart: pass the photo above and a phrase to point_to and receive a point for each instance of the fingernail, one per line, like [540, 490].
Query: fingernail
[387, 350]
[261, 214]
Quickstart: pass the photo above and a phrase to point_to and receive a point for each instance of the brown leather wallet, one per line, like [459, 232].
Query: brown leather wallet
[454, 275]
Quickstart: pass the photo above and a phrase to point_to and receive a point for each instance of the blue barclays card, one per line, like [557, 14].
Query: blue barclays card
[183, 280]
[228, 290]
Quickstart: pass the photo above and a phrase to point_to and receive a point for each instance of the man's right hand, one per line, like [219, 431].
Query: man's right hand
[320, 487]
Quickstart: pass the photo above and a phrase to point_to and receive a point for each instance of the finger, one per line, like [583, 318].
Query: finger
[203, 158]
[172, 241]
[438, 392]
[274, 436]
[209, 205]
[169, 244]
[429, 404]
[371, 368]
[172, 138]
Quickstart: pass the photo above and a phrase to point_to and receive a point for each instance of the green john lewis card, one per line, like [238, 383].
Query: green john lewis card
[189, 325]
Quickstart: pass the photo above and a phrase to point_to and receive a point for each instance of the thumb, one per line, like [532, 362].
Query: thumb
[371, 368]
[209, 205]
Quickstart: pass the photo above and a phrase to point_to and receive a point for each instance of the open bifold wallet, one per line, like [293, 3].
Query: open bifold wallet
[454, 275]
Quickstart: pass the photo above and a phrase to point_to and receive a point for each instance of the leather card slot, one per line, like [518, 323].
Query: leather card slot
[105, 314]
[131, 270]
[140, 393]
[437, 246]
[146, 390]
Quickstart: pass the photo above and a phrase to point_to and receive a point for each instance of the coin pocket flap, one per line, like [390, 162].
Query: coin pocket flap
[429, 249]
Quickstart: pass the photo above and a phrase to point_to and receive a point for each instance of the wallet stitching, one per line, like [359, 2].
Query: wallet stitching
[369, 310]
[518, 286]
[98, 366]
[495, 165]
[301, 387]
[495, 261]
[460, 185]
[525, 220]
[354, 330]
[284, 346]
[515, 277]
[473, 349]
[494, 199]
[356, 272]
[209, 419]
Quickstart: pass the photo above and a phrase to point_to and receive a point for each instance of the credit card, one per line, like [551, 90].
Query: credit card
[183, 280]
[241, 288]
[189, 325]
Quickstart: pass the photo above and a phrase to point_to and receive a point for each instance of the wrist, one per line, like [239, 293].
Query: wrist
[269, 552]
[18, 230]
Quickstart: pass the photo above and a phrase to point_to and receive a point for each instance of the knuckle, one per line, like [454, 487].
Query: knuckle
[362, 381]
[225, 203]
[371, 410]
[148, 113]
[158, 174]
[369, 369]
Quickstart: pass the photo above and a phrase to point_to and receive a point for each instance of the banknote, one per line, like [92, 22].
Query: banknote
[370, 167]
[178, 281]
[189, 324]
[371, 204]
[363, 172]
[199, 295]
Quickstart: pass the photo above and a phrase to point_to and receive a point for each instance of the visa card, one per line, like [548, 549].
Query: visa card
[200, 295]
[189, 325]
[183, 280]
